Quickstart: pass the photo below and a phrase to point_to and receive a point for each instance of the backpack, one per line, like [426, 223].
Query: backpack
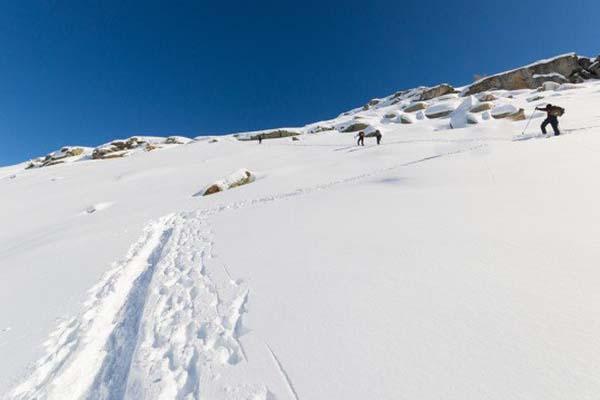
[556, 111]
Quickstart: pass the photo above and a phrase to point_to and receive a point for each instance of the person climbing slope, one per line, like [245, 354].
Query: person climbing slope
[378, 136]
[553, 112]
[361, 139]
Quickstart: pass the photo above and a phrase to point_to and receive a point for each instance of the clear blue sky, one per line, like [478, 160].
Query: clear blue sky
[84, 72]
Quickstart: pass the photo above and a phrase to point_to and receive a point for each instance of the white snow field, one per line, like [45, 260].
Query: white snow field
[442, 264]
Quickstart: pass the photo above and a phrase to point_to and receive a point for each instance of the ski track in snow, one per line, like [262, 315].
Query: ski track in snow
[283, 373]
[158, 325]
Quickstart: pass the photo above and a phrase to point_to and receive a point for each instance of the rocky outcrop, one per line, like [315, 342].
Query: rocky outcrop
[72, 151]
[559, 69]
[595, 67]
[65, 154]
[436, 91]
[117, 148]
[238, 178]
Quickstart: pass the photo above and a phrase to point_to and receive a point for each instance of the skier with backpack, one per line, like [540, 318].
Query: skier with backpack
[553, 113]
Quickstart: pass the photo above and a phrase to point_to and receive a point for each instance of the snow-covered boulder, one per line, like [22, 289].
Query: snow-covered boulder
[485, 96]
[548, 86]
[419, 105]
[508, 111]
[397, 117]
[440, 110]
[238, 178]
[405, 119]
[518, 116]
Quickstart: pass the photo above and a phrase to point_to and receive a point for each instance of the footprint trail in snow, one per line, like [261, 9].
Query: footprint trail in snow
[173, 332]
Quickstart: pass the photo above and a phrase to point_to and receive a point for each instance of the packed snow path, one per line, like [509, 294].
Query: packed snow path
[158, 326]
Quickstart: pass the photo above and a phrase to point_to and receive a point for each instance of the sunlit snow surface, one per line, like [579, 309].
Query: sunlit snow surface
[442, 264]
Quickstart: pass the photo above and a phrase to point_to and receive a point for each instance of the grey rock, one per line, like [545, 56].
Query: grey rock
[436, 91]
[523, 78]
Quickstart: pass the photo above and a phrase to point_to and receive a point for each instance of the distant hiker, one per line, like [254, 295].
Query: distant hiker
[553, 113]
[378, 136]
[259, 139]
[361, 139]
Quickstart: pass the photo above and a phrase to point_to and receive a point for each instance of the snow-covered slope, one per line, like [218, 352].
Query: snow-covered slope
[444, 263]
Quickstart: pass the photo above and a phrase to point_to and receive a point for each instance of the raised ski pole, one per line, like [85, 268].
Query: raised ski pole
[528, 121]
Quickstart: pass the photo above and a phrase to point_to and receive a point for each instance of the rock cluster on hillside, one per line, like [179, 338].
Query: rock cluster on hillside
[65, 154]
[114, 149]
[562, 69]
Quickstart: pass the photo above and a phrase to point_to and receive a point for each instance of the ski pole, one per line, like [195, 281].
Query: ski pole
[528, 121]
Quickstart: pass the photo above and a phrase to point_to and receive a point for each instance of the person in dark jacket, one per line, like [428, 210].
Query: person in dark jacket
[378, 136]
[259, 139]
[361, 139]
[552, 118]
